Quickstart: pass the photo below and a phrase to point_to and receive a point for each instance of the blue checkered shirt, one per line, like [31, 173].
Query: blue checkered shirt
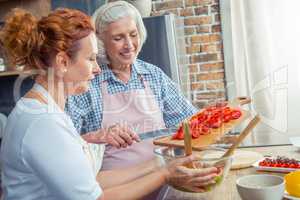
[86, 109]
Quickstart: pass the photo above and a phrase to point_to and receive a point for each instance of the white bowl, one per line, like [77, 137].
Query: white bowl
[261, 187]
[295, 142]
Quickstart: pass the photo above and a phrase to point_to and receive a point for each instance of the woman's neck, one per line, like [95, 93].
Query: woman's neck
[122, 72]
[55, 88]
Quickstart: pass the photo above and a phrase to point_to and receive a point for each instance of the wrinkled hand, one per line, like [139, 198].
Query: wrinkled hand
[190, 179]
[120, 136]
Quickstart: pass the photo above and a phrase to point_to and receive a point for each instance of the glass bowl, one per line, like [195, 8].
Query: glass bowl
[208, 157]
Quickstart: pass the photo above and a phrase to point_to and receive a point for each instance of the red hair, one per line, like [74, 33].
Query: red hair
[35, 43]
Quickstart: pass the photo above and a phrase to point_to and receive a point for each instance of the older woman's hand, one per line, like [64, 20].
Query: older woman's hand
[120, 136]
[191, 179]
[116, 135]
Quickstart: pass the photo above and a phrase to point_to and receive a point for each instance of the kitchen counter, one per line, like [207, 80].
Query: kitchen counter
[228, 191]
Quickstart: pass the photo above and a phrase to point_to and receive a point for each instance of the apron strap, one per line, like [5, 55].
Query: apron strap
[36, 95]
[143, 80]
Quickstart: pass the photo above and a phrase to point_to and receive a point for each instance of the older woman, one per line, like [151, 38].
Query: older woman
[40, 140]
[130, 96]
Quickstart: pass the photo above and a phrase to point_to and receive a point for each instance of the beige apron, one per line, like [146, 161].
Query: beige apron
[137, 109]
[94, 152]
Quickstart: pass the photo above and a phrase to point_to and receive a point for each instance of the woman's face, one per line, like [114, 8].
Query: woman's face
[83, 67]
[121, 40]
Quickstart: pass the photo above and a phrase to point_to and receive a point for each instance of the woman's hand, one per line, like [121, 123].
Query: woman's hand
[116, 135]
[120, 136]
[195, 180]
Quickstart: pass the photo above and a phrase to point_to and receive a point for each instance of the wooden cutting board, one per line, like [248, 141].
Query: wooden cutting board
[204, 140]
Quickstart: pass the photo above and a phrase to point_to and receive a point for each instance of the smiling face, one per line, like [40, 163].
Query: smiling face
[121, 40]
[83, 67]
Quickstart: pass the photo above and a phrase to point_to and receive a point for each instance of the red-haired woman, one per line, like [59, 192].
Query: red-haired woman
[42, 155]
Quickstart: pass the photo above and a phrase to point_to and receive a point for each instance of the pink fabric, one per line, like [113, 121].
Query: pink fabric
[137, 109]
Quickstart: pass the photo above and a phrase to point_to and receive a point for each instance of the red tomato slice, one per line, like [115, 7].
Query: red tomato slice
[204, 129]
[216, 124]
[194, 123]
[195, 134]
[235, 114]
[179, 134]
[227, 118]
[202, 117]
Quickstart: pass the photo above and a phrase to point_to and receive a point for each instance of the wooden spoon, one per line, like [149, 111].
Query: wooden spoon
[187, 141]
[242, 135]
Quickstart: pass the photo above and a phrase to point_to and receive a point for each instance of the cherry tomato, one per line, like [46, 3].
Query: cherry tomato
[292, 166]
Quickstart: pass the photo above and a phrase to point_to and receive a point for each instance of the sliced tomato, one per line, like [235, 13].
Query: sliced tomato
[179, 134]
[235, 114]
[216, 124]
[262, 163]
[205, 129]
[202, 117]
[195, 134]
[194, 123]
[227, 118]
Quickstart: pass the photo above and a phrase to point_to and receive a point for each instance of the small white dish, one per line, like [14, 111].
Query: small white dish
[272, 169]
[288, 196]
[295, 141]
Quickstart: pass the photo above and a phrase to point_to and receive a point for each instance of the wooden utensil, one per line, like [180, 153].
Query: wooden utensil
[187, 138]
[242, 135]
[187, 141]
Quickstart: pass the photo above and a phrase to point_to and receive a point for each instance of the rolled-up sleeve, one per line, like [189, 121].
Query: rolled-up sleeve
[51, 151]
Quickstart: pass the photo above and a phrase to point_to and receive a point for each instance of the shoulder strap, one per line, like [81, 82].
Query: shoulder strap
[36, 95]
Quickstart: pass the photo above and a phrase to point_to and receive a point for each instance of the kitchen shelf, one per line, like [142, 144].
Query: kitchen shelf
[18, 72]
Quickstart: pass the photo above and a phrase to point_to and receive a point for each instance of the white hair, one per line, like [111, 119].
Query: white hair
[112, 12]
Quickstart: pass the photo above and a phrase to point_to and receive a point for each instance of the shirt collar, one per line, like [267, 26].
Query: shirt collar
[137, 69]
